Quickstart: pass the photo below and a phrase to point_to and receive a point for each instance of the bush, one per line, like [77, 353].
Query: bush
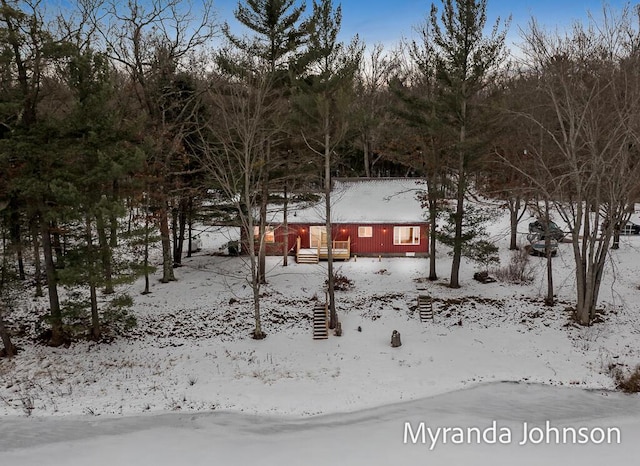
[628, 383]
[340, 282]
[117, 318]
[518, 270]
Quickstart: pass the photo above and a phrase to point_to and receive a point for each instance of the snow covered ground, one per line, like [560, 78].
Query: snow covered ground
[370, 437]
[292, 400]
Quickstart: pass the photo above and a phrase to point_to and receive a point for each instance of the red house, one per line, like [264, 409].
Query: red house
[370, 217]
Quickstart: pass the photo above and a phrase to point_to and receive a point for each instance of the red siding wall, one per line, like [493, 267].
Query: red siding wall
[381, 242]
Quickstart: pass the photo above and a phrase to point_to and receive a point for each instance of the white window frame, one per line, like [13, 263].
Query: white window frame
[365, 232]
[412, 234]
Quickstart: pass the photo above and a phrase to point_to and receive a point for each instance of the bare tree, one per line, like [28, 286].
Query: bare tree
[588, 107]
[231, 149]
[372, 101]
[277, 34]
[153, 41]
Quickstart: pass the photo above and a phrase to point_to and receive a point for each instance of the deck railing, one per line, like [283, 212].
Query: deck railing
[340, 249]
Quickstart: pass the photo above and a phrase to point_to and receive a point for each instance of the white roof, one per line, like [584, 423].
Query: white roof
[365, 200]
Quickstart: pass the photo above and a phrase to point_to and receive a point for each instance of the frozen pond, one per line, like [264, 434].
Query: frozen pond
[370, 437]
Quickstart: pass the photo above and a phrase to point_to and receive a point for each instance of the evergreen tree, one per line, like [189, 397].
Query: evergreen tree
[465, 61]
[278, 31]
[29, 51]
[324, 103]
[422, 141]
[96, 144]
[9, 287]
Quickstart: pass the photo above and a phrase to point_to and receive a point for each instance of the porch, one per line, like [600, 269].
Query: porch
[341, 250]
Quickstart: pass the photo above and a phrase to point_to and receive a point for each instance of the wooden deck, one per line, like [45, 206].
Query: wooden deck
[341, 251]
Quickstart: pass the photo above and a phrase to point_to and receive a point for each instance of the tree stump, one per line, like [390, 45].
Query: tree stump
[395, 339]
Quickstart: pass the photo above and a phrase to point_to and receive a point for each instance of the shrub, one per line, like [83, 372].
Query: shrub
[518, 270]
[117, 318]
[340, 282]
[629, 382]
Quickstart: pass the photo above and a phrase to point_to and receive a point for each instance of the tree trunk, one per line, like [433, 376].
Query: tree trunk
[174, 236]
[57, 246]
[165, 239]
[433, 222]
[457, 241]
[9, 349]
[262, 253]
[113, 220]
[459, 216]
[514, 211]
[15, 232]
[246, 210]
[367, 161]
[105, 254]
[147, 226]
[36, 257]
[285, 228]
[616, 237]
[549, 299]
[583, 300]
[189, 226]
[57, 335]
[95, 318]
[333, 315]
[179, 227]
[182, 227]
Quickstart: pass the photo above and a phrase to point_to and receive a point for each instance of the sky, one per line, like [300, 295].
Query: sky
[387, 21]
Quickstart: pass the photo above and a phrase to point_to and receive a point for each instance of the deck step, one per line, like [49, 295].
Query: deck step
[425, 307]
[320, 322]
[307, 258]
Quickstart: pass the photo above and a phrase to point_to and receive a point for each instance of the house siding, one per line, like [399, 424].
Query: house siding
[380, 243]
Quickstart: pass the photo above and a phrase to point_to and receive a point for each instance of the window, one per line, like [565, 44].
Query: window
[365, 232]
[317, 236]
[406, 235]
[269, 234]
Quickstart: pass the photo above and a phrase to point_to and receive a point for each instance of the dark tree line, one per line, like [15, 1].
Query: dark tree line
[118, 121]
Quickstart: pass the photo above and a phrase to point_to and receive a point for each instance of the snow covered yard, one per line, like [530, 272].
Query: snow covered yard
[191, 352]
[191, 349]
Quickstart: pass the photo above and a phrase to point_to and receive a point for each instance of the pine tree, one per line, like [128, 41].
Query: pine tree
[422, 142]
[465, 60]
[327, 92]
[28, 50]
[96, 145]
[278, 33]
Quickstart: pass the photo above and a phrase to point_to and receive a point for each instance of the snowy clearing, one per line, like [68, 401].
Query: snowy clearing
[191, 352]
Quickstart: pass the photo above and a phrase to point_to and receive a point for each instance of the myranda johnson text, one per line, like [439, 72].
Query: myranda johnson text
[420, 433]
